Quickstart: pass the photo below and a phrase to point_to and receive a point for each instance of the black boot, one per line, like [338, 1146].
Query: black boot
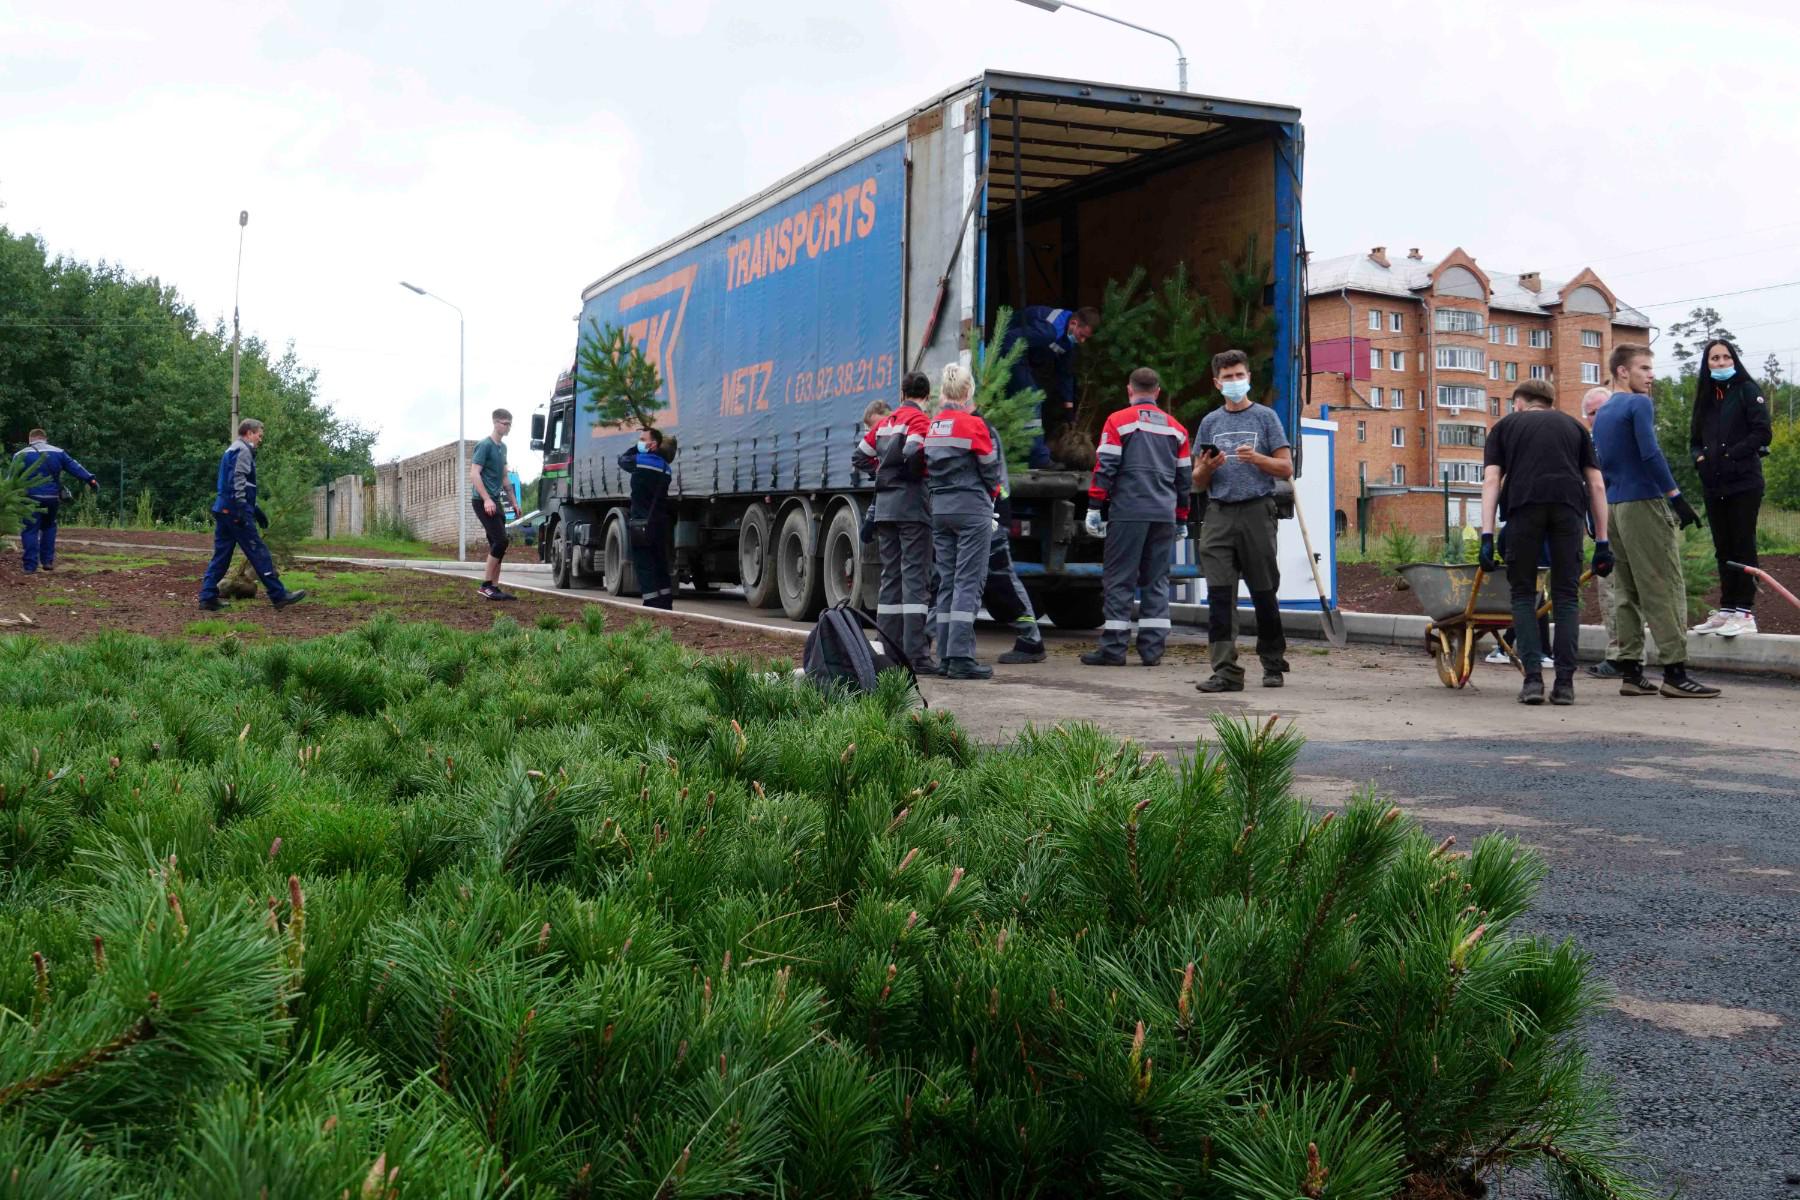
[1099, 658]
[1532, 691]
[1024, 652]
[966, 668]
[1563, 690]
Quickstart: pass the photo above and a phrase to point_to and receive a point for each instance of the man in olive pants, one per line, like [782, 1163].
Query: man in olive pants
[1647, 513]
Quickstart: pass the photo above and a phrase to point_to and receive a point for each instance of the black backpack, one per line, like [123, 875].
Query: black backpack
[838, 651]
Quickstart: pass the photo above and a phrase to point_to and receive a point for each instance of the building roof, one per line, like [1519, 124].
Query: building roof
[1409, 276]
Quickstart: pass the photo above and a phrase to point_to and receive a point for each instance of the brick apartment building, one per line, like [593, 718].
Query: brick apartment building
[1416, 359]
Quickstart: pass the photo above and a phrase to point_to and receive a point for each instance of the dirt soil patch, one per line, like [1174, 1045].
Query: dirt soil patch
[203, 541]
[154, 593]
[1366, 587]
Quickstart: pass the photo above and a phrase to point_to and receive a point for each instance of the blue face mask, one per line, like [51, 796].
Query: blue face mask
[1723, 374]
[643, 447]
[1235, 389]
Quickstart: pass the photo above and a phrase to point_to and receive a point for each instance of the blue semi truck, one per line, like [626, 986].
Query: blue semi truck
[777, 321]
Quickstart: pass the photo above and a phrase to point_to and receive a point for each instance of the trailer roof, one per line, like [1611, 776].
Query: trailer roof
[1164, 114]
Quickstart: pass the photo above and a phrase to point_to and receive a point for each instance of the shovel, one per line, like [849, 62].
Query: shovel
[1335, 633]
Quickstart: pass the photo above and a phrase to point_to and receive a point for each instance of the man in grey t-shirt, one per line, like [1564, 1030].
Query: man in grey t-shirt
[1243, 450]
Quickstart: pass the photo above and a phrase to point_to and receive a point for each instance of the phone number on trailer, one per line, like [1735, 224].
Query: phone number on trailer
[845, 379]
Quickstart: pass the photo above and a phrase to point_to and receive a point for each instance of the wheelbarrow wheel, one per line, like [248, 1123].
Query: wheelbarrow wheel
[1450, 655]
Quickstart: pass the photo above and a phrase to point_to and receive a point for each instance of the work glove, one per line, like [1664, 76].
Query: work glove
[1683, 510]
[1096, 524]
[93, 485]
[1603, 559]
[1489, 563]
[262, 518]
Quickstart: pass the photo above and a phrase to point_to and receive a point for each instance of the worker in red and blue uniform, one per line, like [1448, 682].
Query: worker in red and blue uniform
[648, 527]
[1143, 484]
[894, 453]
[1052, 338]
[236, 521]
[44, 465]
[962, 473]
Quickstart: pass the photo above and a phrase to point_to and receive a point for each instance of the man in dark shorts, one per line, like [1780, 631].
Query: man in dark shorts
[490, 498]
[1540, 464]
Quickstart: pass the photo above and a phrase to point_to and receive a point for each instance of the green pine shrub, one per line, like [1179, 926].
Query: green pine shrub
[324, 918]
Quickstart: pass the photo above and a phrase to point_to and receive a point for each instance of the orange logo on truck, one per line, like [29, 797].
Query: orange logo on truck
[658, 331]
[839, 219]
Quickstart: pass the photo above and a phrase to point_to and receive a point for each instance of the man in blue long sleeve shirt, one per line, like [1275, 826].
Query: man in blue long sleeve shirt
[1052, 337]
[44, 465]
[1646, 515]
[236, 518]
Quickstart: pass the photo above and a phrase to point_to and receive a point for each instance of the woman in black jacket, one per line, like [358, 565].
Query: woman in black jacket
[1729, 436]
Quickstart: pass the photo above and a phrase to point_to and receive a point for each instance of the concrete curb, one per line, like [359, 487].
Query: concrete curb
[1757, 653]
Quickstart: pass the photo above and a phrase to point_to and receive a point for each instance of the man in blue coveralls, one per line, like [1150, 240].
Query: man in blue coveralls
[236, 519]
[1052, 337]
[44, 465]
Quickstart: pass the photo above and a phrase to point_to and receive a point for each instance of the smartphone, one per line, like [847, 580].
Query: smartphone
[1208, 448]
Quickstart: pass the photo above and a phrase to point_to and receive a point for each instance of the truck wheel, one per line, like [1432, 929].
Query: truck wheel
[841, 558]
[562, 558]
[756, 557]
[616, 572]
[1076, 609]
[798, 568]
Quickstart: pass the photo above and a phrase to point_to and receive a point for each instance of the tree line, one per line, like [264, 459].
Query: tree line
[123, 374]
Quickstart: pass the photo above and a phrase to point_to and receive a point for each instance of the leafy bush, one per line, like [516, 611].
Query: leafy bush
[1396, 547]
[1781, 469]
[313, 918]
[16, 504]
[1007, 411]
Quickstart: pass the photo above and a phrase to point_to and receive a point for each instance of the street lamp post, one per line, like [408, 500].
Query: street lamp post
[236, 288]
[462, 444]
[1180, 57]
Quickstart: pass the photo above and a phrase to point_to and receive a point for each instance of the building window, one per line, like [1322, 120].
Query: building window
[1512, 335]
[1494, 369]
[1399, 475]
[1375, 397]
[1421, 360]
[1590, 372]
[1494, 407]
[1458, 320]
[1421, 401]
[1362, 431]
[1399, 397]
[1473, 436]
[1456, 358]
[1362, 472]
[1539, 339]
[1494, 335]
[1590, 338]
[1460, 471]
[1374, 359]
[1512, 372]
[1541, 373]
[1393, 322]
[1452, 397]
[1396, 360]
[1374, 318]
[1399, 438]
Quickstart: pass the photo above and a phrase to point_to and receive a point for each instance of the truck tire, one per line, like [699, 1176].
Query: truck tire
[1069, 608]
[756, 557]
[617, 575]
[846, 575]
[798, 568]
[562, 557]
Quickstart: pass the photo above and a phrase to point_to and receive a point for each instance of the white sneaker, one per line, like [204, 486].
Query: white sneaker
[1546, 661]
[1717, 621]
[1738, 623]
[1497, 657]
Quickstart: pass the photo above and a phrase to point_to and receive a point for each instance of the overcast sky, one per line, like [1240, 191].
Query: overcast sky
[505, 155]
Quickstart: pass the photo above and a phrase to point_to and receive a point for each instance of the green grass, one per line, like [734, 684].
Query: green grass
[1778, 531]
[403, 547]
[547, 913]
[87, 562]
[217, 626]
[52, 602]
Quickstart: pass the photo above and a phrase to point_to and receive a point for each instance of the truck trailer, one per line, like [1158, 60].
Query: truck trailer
[776, 322]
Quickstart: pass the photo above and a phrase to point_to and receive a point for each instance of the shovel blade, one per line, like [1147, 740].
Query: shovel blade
[1335, 631]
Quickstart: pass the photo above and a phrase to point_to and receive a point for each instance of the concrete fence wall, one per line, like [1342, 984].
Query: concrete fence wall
[424, 491]
[341, 508]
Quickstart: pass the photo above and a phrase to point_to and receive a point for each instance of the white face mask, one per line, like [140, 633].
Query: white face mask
[643, 446]
[1235, 389]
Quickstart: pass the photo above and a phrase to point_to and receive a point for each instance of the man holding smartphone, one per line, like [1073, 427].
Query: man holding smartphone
[1243, 451]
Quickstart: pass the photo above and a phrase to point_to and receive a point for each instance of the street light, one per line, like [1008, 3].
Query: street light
[462, 445]
[236, 288]
[1180, 57]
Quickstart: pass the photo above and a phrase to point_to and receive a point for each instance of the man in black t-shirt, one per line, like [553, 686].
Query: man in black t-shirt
[1540, 468]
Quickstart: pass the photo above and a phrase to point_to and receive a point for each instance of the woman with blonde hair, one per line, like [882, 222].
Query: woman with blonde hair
[962, 471]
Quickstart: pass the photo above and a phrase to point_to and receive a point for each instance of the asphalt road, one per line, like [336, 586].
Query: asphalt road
[1671, 828]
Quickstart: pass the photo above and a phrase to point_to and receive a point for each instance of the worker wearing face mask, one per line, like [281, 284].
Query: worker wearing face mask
[648, 523]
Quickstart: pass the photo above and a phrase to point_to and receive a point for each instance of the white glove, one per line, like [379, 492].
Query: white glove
[996, 522]
[1095, 525]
